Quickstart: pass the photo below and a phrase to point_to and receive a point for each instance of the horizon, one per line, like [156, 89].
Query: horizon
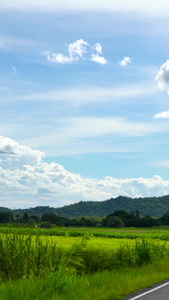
[84, 107]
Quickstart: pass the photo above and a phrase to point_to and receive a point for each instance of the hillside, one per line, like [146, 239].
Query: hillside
[153, 206]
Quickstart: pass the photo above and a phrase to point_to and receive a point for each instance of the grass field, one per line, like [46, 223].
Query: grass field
[81, 263]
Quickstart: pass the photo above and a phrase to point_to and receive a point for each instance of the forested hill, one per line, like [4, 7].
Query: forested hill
[154, 206]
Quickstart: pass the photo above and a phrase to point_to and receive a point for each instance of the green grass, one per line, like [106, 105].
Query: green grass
[37, 266]
[106, 285]
[128, 233]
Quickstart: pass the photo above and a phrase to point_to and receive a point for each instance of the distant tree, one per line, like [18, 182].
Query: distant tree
[51, 218]
[164, 220]
[25, 218]
[148, 221]
[35, 217]
[45, 225]
[18, 217]
[31, 222]
[113, 221]
[6, 217]
[137, 213]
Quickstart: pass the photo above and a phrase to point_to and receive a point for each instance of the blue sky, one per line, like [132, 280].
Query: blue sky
[84, 104]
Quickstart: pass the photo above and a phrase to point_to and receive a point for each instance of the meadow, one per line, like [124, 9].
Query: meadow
[83, 263]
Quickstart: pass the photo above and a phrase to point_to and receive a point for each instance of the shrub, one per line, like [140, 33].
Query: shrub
[45, 225]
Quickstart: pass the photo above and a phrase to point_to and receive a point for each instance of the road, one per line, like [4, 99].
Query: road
[160, 292]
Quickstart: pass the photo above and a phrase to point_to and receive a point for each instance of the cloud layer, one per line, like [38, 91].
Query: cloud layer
[148, 7]
[26, 180]
[80, 49]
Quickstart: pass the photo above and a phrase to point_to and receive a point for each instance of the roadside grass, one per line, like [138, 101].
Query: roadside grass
[38, 267]
[106, 285]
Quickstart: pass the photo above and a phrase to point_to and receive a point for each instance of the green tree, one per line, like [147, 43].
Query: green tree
[25, 218]
[113, 221]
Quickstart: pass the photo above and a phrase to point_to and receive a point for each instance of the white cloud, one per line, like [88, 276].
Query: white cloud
[59, 58]
[77, 50]
[162, 115]
[98, 59]
[67, 136]
[162, 77]
[28, 181]
[98, 48]
[87, 95]
[12, 154]
[98, 126]
[125, 61]
[150, 7]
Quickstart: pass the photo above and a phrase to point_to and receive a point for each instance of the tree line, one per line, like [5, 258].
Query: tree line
[117, 219]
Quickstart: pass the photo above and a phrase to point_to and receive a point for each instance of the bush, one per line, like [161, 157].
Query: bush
[45, 225]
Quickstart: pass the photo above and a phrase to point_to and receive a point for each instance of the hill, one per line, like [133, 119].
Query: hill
[152, 206]
[4, 209]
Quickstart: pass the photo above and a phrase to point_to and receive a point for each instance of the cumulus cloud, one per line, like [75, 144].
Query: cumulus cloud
[80, 49]
[162, 115]
[77, 48]
[98, 59]
[26, 180]
[125, 61]
[13, 155]
[162, 77]
[59, 58]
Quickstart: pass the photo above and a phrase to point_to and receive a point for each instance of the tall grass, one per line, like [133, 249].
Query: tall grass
[35, 268]
[28, 255]
[104, 285]
[24, 255]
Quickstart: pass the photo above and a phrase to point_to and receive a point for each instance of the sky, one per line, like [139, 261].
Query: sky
[84, 101]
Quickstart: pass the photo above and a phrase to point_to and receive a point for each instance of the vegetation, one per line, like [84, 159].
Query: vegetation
[152, 206]
[34, 266]
[118, 219]
[49, 255]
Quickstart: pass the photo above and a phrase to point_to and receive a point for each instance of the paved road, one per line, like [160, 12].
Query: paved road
[161, 292]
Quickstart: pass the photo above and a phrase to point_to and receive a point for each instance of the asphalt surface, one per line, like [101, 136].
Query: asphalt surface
[160, 292]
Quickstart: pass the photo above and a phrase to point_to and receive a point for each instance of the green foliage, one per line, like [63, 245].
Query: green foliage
[113, 221]
[121, 218]
[85, 259]
[6, 217]
[23, 256]
[47, 271]
[164, 220]
[118, 234]
[45, 225]
[104, 285]
[29, 255]
[152, 206]
[31, 222]
[25, 217]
